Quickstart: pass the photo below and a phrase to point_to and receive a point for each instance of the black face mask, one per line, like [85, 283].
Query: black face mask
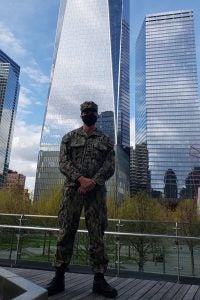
[89, 119]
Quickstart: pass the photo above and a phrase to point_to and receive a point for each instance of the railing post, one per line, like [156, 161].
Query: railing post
[49, 246]
[118, 225]
[11, 247]
[18, 250]
[44, 244]
[163, 251]
[178, 254]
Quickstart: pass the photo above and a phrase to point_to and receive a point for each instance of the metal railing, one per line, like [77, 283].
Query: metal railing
[122, 241]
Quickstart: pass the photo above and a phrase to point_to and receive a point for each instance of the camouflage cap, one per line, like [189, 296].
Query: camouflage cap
[90, 105]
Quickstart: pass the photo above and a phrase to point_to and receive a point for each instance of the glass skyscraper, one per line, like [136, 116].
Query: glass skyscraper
[167, 103]
[9, 91]
[91, 63]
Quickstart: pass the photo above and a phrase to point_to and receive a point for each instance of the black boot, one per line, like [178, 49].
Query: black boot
[100, 286]
[57, 284]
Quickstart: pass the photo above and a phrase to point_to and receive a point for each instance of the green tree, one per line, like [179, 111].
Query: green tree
[48, 205]
[186, 214]
[147, 214]
[13, 201]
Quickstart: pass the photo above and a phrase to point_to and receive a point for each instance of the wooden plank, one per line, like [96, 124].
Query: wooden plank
[191, 292]
[111, 280]
[158, 286]
[125, 285]
[134, 289]
[36, 276]
[139, 294]
[77, 290]
[173, 291]
[129, 286]
[119, 285]
[44, 277]
[72, 285]
[182, 292]
[160, 294]
[69, 278]
[31, 274]
[86, 294]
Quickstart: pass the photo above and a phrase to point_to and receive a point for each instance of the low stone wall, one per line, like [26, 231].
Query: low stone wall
[14, 287]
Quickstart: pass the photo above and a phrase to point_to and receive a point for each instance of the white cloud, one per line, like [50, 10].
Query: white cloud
[30, 184]
[9, 43]
[39, 103]
[13, 47]
[36, 75]
[25, 149]
[25, 102]
[24, 99]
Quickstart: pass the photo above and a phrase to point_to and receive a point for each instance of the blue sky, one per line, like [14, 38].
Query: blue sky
[27, 33]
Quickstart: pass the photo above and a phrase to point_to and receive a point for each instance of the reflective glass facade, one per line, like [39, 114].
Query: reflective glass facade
[9, 90]
[167, 103]
[91, 62]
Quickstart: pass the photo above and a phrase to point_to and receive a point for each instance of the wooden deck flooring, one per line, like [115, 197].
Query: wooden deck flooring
[78, 286]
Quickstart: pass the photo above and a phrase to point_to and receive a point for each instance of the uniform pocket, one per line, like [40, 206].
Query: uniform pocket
[77, 148]
[100, 146]
[99, 152]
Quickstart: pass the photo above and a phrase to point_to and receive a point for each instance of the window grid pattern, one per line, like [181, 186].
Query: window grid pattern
[85, 68]
[169, 106]
[9, 90]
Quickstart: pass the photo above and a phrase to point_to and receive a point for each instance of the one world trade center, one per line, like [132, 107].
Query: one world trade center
[90, 63]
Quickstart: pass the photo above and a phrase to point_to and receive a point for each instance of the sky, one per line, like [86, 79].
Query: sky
[27, 34]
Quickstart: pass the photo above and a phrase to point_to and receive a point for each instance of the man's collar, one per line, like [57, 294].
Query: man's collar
[95, 132]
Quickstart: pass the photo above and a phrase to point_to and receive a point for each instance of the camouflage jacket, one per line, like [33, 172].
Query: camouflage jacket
[91, 156]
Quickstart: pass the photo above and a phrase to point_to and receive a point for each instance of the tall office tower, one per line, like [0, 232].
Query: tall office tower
[139, 169]
[91, 62]
[167, 103]
[9, 91]
[133, 189]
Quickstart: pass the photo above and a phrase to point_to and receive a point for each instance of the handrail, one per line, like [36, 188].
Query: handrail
[117, 233]
[82, 218]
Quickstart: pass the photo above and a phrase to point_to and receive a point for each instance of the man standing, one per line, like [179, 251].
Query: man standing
[87, 159]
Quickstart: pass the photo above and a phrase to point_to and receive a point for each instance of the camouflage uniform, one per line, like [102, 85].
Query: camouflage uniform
[91, 156]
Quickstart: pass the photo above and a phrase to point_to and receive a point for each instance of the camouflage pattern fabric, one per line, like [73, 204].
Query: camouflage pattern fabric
[89, 105]
[91, 156]
[96, 221]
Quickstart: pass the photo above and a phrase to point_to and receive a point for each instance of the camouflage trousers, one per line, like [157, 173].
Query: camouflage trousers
[94, 204]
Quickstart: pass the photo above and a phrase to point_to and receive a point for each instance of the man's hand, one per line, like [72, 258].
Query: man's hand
[86, 184]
